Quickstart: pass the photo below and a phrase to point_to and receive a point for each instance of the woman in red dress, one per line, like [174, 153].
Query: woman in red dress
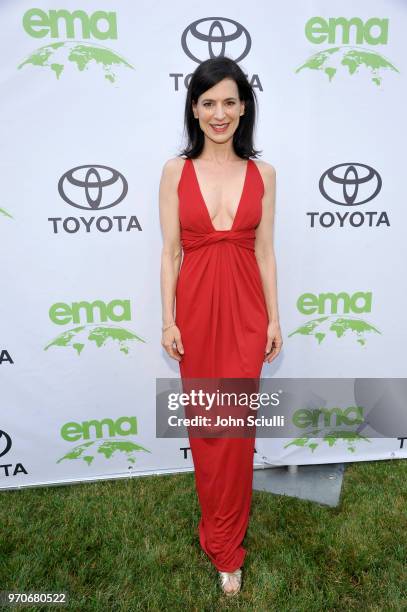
[217, 210]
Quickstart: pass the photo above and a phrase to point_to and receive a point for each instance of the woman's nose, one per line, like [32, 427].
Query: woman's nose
[219, 112]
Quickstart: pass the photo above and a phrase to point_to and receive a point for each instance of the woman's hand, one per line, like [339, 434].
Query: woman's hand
[170, 337]
[274, 342]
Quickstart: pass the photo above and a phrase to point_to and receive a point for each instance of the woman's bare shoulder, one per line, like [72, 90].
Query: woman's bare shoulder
[172, 169]
[268, 175]
[267, 170]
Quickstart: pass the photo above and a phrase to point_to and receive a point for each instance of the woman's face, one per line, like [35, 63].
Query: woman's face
[219, 106]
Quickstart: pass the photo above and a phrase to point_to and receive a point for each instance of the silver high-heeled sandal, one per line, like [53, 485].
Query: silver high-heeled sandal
[225, 577]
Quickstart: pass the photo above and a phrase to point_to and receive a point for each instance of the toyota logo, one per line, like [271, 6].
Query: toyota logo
[92, 187]
[5, 443]
[219, 35]
[350, 184]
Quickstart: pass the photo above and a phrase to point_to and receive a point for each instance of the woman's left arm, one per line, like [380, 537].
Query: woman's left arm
[266, 260]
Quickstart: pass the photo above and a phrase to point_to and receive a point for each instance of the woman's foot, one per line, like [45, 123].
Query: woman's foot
[231, 582]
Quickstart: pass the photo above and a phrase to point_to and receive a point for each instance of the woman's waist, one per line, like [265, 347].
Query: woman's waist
[192, 240]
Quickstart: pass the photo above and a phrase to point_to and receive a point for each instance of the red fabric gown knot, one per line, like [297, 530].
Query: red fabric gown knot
[192, 240]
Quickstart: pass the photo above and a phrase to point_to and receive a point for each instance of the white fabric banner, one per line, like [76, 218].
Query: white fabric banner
[91, 107]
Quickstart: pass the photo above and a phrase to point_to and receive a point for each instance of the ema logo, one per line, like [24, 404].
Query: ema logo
[327, 425]
[345, 58]
[98, 334]
[332, 324]
[77, 55]
[103, 439]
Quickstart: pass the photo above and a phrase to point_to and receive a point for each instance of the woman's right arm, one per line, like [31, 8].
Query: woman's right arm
[171, 254]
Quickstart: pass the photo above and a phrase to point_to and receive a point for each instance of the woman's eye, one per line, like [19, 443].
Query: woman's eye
[230, 103]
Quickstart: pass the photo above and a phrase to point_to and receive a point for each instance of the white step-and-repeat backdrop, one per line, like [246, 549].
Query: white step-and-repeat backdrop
[92, 100]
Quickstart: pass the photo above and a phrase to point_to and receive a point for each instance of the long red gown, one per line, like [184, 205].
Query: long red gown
[222, 316]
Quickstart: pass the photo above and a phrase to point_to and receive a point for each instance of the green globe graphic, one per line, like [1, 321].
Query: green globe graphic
[340, 326]
[349, 59]
[105, 448]
[5, 213]
[83, 56]
[78, 337]
[309, 440]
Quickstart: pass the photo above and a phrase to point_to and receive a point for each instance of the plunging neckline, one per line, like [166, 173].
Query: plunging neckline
[204, 203]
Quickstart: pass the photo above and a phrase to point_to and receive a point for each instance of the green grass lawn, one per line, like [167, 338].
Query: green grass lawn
[133, 545]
